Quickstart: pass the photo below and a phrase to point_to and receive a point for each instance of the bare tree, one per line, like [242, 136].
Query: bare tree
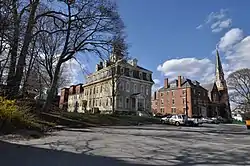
[5, 26]
[239, 86]
[87, 26]
[118, 59]
[23, 23]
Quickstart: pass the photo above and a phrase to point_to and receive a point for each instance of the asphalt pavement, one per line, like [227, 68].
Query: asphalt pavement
[132, 145]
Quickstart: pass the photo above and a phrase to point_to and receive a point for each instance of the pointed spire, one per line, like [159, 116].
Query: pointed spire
[218, 66]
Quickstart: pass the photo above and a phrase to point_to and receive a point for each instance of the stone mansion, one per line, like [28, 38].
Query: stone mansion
[116, 80]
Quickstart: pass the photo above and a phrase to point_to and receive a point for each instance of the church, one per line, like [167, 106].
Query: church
[218, 96]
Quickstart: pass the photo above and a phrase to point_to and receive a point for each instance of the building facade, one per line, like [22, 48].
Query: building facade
[181, 96]
[184, 96]
[119, 80]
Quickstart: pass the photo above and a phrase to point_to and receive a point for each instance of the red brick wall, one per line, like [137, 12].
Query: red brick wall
[64, 97]
[178, 98]
[79, 89]
[72, 90]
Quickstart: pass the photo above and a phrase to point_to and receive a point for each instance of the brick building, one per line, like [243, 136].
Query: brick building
[184, 96]
[181, 96]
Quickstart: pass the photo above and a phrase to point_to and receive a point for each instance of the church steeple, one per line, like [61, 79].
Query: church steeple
[219, 74]
[218, 63]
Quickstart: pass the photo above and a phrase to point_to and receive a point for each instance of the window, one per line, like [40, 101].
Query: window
[121, 84]
[162, 110]
[148, 77]
[184, 110]
[131, 73]
[135, 88]
[142, 89]
[107, 102]
[101, 89]
[184, 101]
[140, 75]
[173, 102]
[161, 94]
[147, 91]
[93, 102]
[96, 89]
[110, 101]
[172, 92]
[127, 86]
[173, 110]
[122, 70]
[184, 91]
[120, 101]
[162, 102]
[100, 102]
[127, 103]
[167, 93]
[131, 87]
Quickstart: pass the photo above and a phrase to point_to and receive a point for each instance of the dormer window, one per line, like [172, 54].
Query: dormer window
[131, 73]
[140, 75]
[148, 77]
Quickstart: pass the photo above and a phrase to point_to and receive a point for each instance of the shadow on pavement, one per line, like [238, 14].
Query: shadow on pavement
[22, 155]
[206, 156]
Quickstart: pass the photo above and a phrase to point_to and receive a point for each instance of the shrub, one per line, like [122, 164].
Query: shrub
[14, 116]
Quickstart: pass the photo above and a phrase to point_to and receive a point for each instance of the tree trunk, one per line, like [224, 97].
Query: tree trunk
[30, 67]
[113, 90]
[53, 87]
[27, 39]
[113, 97]
[13, 50]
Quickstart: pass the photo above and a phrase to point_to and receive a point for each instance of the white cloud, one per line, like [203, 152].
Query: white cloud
[217, 21]
[236, 48]
[157, 85]
[74, 71]
[192, 68]
[230, 39]
[220, 25]
[199, 26]
[156, 81]
[217, 15]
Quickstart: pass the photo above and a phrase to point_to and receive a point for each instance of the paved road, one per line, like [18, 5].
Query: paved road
[139, 145]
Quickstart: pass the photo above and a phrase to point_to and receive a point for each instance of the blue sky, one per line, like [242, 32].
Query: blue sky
[178, 37]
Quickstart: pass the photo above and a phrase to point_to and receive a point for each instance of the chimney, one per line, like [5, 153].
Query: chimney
[155, 95]
[179, 81]
[166, 83]
[63, 97]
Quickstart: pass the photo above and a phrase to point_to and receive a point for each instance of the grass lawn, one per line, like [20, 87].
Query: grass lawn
[91, 120]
